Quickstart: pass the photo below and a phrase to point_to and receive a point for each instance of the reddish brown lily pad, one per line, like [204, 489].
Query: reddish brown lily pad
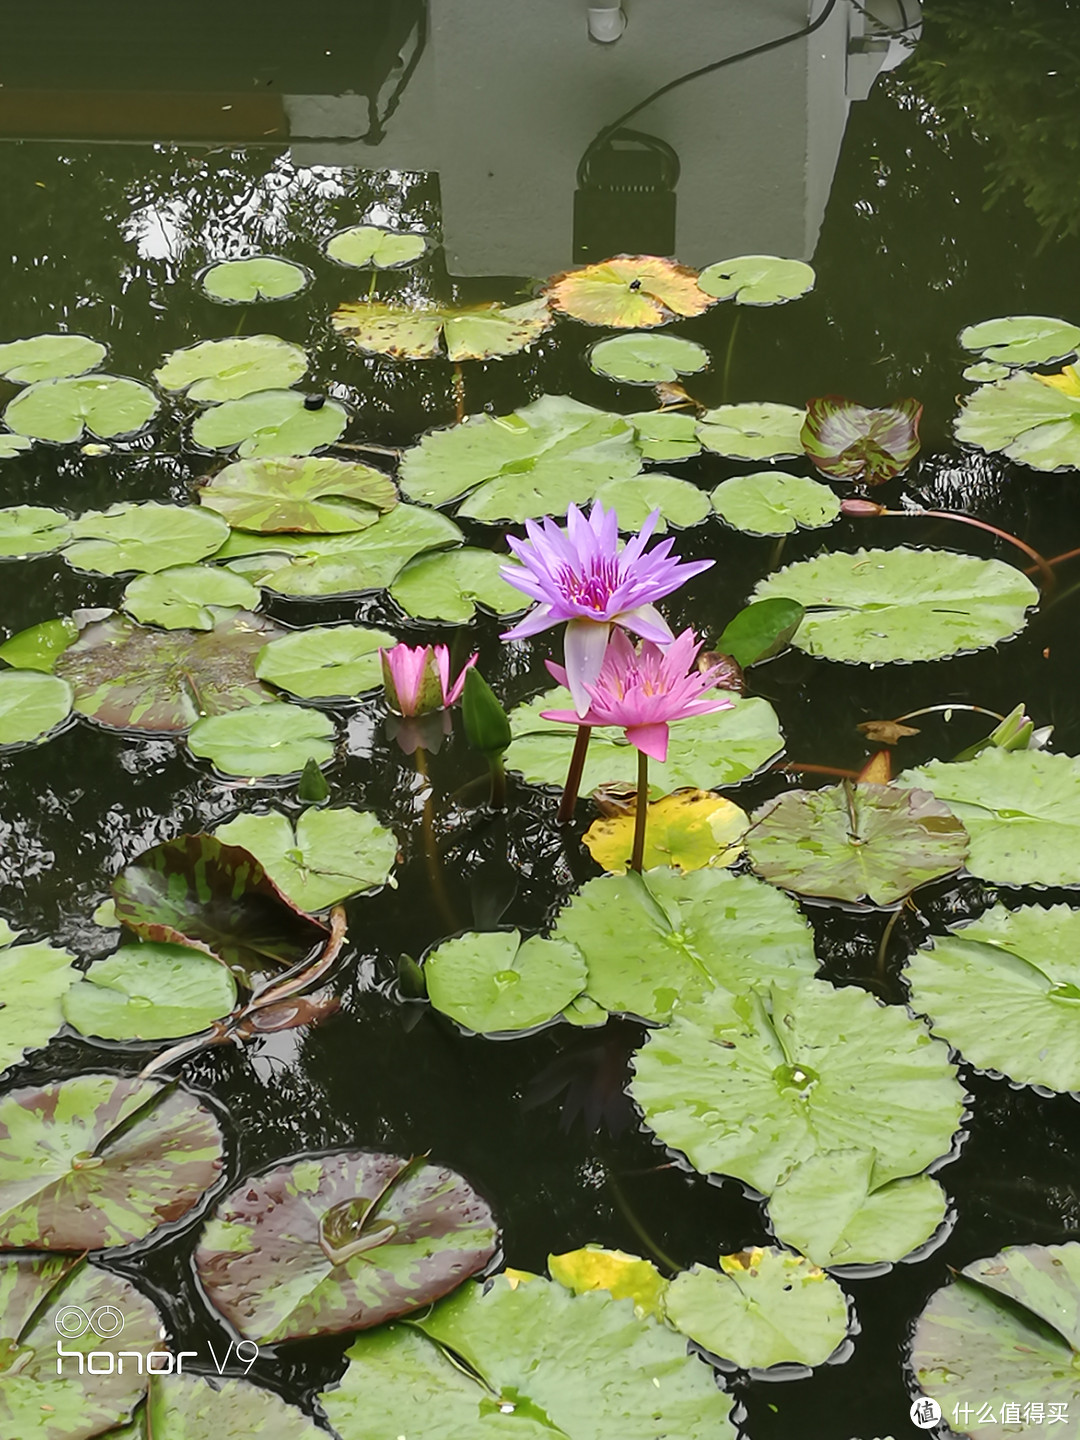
[849, 442]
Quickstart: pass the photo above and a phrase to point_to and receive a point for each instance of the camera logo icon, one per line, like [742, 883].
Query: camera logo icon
[106, 1322]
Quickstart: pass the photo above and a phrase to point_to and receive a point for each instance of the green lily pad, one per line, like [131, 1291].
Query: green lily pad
[984, 370]
[363, 247]
[46, 1395]
[628, 292]
[770, 502]
[1005, 990]
[533, 1353]
[260, 277]
[762, 1307]
[653, 940]
[279, 742]
[622, 1275]
[832, 1209]
[751, 1085]
[1020, 808]
[12, 445]
[635, 498]
[450, 584]
[144, 537]
[187, 597]
[40, 646]
[467, 332]
[326, 856]
[270, 422]
[706, 752]
[493, 982]
[325, 662]
[315, 495]
[79, 1170]
[49, 357]
[757, 279]
[855, 842]
[665, 434]
[647, 359]
[150, 992]
[753, 432]
[760, 631]
[106, 406]
[198, 891]
[340, 1242]
[1004, 1331]
[128, 677]
[227, 369]
[370, 559]
[555, 450]
[33, 980]
[31, 530]
[1026, 419]
[32, 704]
[1022, 339]
[874, 606]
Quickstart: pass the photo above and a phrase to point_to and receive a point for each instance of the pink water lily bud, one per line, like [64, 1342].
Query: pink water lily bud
[416, 681]
[854, 506]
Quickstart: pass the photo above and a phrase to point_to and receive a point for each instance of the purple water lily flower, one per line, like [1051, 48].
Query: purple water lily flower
[581, 576]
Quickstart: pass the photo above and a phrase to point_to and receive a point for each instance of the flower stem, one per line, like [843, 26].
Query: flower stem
[498, 782]
[641, 811]
[573, 775]
[1041, 565]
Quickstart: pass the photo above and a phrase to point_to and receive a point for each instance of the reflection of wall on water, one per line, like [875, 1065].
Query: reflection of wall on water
[508, 95]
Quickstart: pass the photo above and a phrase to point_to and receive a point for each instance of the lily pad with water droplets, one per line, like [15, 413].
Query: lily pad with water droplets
[259, 277]
[215, 370]
[325, 662]
[757, 279]
[97, 1161]
[144, 537]
[492, 982]
[276, 744]
[340, 1242]
[109, 407]
[33, 981]
[150, 992]
[450, 584]
[1022, 339]
[875, 606]
[628, 292]
[187, 597]
[270, 422]
[32, 704]
[751, 1085]
[770, 502]
[753, 432]
[687, 831]
[31, 530]
[1025, 419]
[665, 434]
[646, 359]
[311, 494]
[363, 247]
[194, 1407]
[425, 332]
[49, 357]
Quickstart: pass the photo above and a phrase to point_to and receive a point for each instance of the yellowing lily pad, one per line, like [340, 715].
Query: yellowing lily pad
[687, 831]
[623, 1275]
[629, 292]
[473, 332]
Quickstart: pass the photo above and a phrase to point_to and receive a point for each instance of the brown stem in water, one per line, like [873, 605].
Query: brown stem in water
[431, 846]
[816, 770]
[573, 776]
[459, 394]
[641, 811]
[1048, 579]
[1055, 560]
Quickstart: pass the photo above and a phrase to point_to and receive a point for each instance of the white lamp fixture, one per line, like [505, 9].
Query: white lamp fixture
[606, 23]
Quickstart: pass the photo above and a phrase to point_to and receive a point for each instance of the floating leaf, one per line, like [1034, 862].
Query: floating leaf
[753, 432]
[770, 502]
[622, 1275]
[187, 597]
[61, 410]
[227, 369]
[1005, 1329]
[31, 530]
[128, 677]
[653, 940]
[750, 1085]
[1020, 808]
[687, 830]
[856, 841]
[261, 277]
[831, 1207]
[324, 662]
[270, 422]
[191, 1407]
[1022, 339]
[31, 705]
[665, 434]
[150, 992]
[198, 891]
[849, 442]
[634, 499]
[362, 247]
[761, 1308]
[760, 631]
[49, 357]
[628, 292]
[1036, 424]
[534, 1353]
[757, 279]
[448, 585]
[709, 751]
[33, 980]
[80, 1170]
[370, 559]
[645, 359]
[1004, 991]
[985, 370]
[144, 537]
[340, 1242]
[468, 332]
[12, 445]
[493, 982]
[327, 856]
[40, 646]
[316, 495]
[279, 742]
[873, 606]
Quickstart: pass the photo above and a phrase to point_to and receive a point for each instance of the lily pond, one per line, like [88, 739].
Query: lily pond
[529, 902]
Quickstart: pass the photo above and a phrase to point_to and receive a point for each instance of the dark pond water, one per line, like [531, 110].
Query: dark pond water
[936, 216]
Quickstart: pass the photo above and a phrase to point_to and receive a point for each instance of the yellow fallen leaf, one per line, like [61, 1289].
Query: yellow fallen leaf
[593, 1268]
[1067, 381]
[687, 831]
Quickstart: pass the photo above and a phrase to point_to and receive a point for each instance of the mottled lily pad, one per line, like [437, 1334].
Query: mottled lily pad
[49, 357]
[1024, 418]
[849, 442]
[226, 369]
[770, 502]
[187, 597]
[129, 677]
[106, 406]
[270, 422]
[81, 1170]
[757, 279]
[259, 277]
[150, 992]
[424, 332]
[363, 247]
[647, 359]
[145, 537]
[1022, 339]
[450, 584]
[32, 704]
[340, 1242]
[493, 982]
[277, 743]
[193, 1407]
[687, 830]
[628, 292]
[33, 981]
[325, 662]
[753, 432]
[314, 495]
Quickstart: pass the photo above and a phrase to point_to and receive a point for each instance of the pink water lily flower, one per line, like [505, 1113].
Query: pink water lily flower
[417, 681]
[581, 576]
[645, 690]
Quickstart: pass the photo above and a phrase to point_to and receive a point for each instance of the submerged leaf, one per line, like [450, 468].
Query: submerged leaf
[493, 982]
[31, 705]
[757, 279]
[260, 277]
[628, 292]
[106, 406]
[770, 502]
[216, 370]
[316, 495]
[270, 422]
[647, 359]
[49, 357]
[143, 536]
[687, 830]
[468, 332]
[849, 442]
[362, 246]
